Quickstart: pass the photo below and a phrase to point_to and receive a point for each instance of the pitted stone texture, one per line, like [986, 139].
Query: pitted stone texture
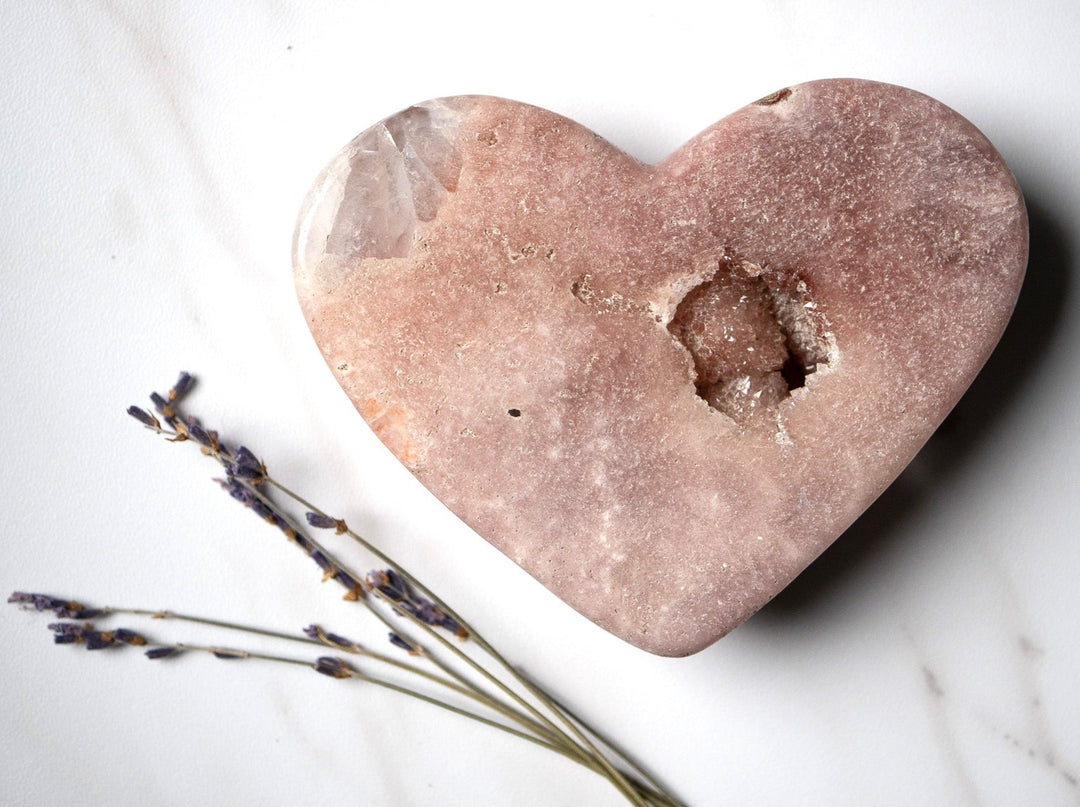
[663, 390]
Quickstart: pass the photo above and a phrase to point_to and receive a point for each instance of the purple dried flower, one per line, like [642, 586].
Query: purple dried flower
[129, 637]
[73, 610]
[283, 524]
[339, 641]
[248, 498]
[65, 609]
[96, 640]
[72, 632]
[316, 632]
[261, 509]
[349, 582]
[199, 434]
[41, 602]
[321, 521]
[322, 560]
[182, 386]
[237, 491]
[246, 465]
[144, 417]
[163, 407]
[66, 632]
[334, 667]
[428, 612]
[404, 644]
[391, 584]
[66, 628]
[227, 654]
[162, 652]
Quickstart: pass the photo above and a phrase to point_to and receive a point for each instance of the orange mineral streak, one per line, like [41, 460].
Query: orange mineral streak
[391, 425]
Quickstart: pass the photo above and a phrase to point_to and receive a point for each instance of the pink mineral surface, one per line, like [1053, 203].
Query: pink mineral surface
[662, 390]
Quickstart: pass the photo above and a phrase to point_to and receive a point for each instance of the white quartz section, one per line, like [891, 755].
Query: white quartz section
[153, 160]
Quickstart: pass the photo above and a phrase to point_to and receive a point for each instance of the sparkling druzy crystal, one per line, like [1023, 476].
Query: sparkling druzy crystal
[662, 390]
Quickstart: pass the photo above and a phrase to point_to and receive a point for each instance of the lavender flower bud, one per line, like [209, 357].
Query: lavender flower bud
[129, 637]
[199, 434]
[246, 465]
[96, 640]
[162, 652]
[391, 584]
[322, 560]
[163, 408]
[261, 509]
[66, 628]
[334, 667]
[227, 654]
[66, 632]
[321, 521]
[41, 602]
[283, 524]
[404, 644]
[65, 609]
[350, 582]
[73, 610]
[144, 417]
[237, 491]
[182, 386]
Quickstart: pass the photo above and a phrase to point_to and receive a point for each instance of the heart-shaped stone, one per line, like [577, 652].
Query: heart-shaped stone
[663, 390]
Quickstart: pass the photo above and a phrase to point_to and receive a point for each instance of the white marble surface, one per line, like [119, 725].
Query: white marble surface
[153, 162]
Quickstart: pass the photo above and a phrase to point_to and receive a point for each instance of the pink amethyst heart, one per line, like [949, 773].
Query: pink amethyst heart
[662, 390]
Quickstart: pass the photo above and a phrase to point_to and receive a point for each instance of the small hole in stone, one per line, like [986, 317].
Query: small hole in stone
[794, 374]
[514, 413]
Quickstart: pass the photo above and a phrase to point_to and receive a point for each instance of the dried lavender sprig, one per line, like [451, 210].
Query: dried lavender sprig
[210, 446]
[241, 489]
[252, 498]
[65, 609]
[395, 591]
[426, 612]
[313, 634]
[91, 638]
[393, 586]
[318, 518]
[341, 643]
[396, 588]
[396, 585]
[70, 633]
[249, 495]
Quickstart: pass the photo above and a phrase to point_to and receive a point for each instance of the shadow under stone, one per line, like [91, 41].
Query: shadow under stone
[997, 388]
